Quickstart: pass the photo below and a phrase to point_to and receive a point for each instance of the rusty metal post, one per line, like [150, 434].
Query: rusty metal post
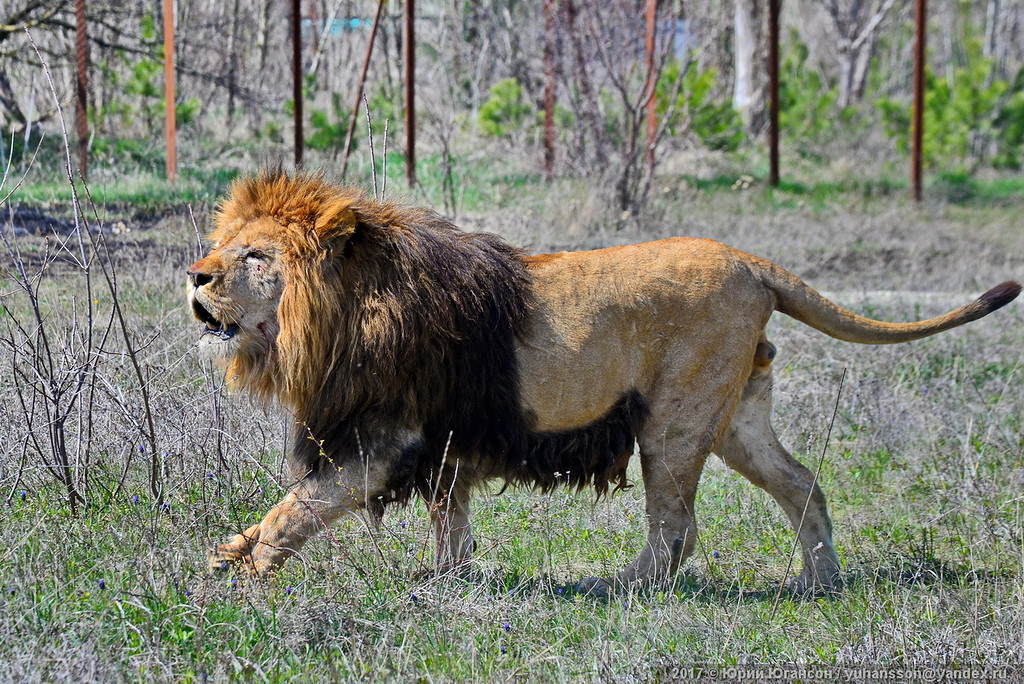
[917, 150]
[410, 92]
[549, 88]
[774, 8]
[81, 88]
[170, 95]
[650, 90]
[297, 77]
[359, 90]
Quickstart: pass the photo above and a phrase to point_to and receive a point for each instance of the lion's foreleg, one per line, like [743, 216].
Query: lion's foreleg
[308, 508]
[449, 514]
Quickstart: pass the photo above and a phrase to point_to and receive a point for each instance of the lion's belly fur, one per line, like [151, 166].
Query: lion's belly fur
[654, 319]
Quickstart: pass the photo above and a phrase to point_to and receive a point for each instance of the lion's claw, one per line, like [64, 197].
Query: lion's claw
[220, 558]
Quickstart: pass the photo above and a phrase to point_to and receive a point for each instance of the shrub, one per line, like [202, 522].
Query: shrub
[504, 111]
[716, 125]
[968, 119]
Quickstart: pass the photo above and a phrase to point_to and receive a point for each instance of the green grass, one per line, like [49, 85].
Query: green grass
[135, 194]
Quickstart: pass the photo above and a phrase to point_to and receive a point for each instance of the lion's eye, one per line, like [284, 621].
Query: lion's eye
[256, 254]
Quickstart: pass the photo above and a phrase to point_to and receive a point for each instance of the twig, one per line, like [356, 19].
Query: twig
[373, 154]
[384, 163]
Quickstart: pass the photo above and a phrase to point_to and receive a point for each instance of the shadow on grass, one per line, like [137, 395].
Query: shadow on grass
[693, 588]
[908, 571]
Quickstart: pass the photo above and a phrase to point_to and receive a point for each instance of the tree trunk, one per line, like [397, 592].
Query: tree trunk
[232, 62]
[749, 83]
[9, 101]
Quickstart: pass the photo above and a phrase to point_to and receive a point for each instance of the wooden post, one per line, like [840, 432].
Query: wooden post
[410, 92]
[81, 88]
[774, 7]
[170, 96]
[297, 78]
[917, 150]
[650, 93]
[359, 90]
[549, 88]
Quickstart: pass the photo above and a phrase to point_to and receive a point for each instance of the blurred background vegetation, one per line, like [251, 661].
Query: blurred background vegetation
[846, 84]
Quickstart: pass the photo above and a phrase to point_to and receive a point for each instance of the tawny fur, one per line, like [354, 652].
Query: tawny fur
[417, 358]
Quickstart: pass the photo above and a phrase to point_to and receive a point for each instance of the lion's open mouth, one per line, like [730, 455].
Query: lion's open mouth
[212, 326]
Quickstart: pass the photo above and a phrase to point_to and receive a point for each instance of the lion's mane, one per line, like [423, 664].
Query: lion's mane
[393, 319]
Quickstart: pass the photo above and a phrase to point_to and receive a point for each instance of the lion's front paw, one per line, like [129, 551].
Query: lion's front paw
[235, 553]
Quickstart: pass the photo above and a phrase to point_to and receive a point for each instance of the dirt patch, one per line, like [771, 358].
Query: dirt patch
[25, 220]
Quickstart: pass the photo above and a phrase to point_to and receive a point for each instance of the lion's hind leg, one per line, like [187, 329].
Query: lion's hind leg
[751, 447]
[674, 444]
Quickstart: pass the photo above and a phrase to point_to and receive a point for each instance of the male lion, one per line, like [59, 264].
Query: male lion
[418, 358]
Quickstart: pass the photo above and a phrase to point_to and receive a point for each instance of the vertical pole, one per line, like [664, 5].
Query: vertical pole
[774, 6]
[410, 91]
[359, 90]
[297, 77]
[651, 86]
[82, 89]
[918, 128]
[549, 88]
[170, 96]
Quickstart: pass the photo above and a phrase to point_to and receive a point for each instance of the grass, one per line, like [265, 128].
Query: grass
[923, 474]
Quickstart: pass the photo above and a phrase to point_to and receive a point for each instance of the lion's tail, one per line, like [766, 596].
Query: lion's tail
[795, 298]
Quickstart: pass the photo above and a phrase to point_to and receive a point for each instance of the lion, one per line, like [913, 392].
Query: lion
[418, 359]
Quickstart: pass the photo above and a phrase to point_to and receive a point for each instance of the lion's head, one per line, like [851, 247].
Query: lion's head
[259, 293]
[361, 316]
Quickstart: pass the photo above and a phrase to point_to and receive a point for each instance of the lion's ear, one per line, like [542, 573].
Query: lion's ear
[336, 222]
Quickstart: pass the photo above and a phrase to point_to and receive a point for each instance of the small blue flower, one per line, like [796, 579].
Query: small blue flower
[209, 476]
[135, 499]
[223, 565]
[187, 593]
[234, 581]
[12, 591]
[141, 448]
[103, 584]
[715, 553]
[503, 649]
[402, 524]
[413, 597]
[288, 591]
[561, 590]
[23, 495]
[507, 627]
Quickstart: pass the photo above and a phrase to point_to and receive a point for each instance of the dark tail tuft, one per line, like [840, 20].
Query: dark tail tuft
[1000, 295]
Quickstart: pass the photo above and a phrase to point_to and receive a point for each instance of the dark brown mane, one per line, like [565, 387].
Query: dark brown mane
[395, 321]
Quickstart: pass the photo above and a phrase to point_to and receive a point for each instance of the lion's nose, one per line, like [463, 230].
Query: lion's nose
[199, 278]
[199, 273]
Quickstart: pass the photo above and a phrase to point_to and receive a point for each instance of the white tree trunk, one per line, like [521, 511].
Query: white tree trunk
[744, 95]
